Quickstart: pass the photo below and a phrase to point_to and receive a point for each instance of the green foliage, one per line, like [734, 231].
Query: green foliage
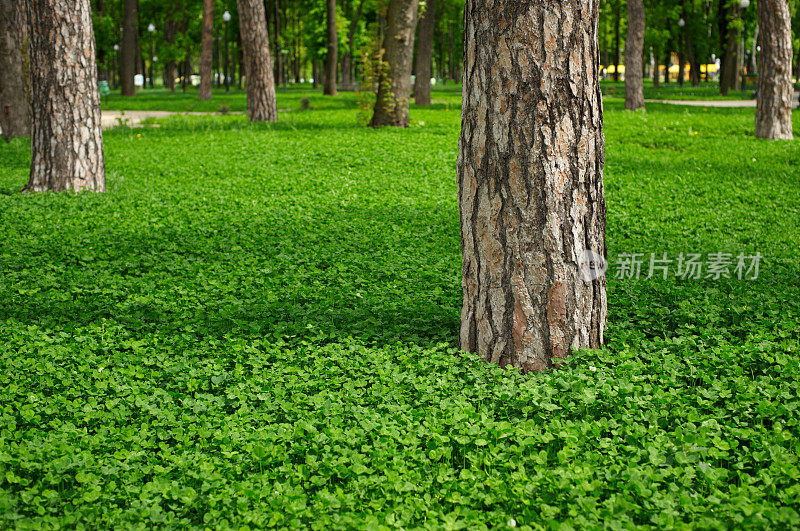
[254, 327]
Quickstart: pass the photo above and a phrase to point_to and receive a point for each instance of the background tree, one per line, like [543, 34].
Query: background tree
[530, 176]
[775, 94]
[634, 49]
[261, 104]
[331, 58]
[128, 47]
[394, 83]
[14, 110]
[729, 75]
[66, 142]
[422, 81]
[207, 50]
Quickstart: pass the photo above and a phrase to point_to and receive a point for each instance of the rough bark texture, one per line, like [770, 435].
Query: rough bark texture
[331, 59]
[207, 51]
[729, 77]
[775, 92]
[394, 83]
[128, 48]
[634, 50]
[66, 142]
[14, 109]
[530, 180]
[422, 80]
[261, 105]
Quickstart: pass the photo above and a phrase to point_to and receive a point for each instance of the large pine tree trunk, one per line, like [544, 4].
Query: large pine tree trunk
[66, 142]
[207, 51]
[530, 181]
[422, 80]
[394, 83]
[129, 46]
[261, 105]
[775, 92]
[14, 109]
[634, 51]
[331, 59]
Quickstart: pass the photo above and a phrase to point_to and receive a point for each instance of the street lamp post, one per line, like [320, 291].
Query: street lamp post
[152, 29]
[226, 17]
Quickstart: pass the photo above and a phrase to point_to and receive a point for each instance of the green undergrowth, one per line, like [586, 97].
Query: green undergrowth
[255, 327]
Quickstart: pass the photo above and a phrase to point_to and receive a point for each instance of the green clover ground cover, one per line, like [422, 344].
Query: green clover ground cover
[255, 326]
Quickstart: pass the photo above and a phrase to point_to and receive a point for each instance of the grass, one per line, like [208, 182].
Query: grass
[673, 91]
[255, 327]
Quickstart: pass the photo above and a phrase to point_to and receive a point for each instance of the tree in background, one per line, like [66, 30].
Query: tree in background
[775, 94]
[530, 182]
[128, 47]
[331, 58]
[66, 142]
[394, 83]
[634, 49]
[422, 81]
[14, 109]
[348, 82]
[729, 76]
[261, 104]
[207, 50]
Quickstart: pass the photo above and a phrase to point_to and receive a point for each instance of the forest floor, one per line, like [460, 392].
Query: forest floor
[255, 326]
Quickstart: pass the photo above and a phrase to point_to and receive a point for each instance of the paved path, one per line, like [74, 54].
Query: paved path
[111, 119]
[718, 103]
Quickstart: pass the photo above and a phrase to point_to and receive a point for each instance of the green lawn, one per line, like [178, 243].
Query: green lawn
[255, 327]
[673, 91]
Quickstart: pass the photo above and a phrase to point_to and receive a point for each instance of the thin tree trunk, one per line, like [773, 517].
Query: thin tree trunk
[261, 105]
[656, 69]
[667, 64]
[681, 61]
[616, 39]
[694, 65]
[331, 58]
[422, 79]
[775, 92]
[530, 182]
[450, 53]
[66, 142]
[171, 68]
[278, 57]
[14, 105]
[729, 78]
[127, 51]
[634, 51]
[348, 82]
[207, 51]
[394, 82]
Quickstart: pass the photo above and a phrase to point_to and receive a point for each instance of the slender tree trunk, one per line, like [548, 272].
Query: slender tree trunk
[656, 69]
[127, 50]
[775, 92]
[422, 79]
[530, 182]
[333, 49]
[616, 39]
[681, 62]
[694, 65]
[729, 78]
[667, 64]
[634, 51]
[278, 56]
[66, 142]
[394, 84]
[451, 69]
[722, 27]
[348, 82]
[207, 51]
[261, 105]
[14, 106]
[171, 68]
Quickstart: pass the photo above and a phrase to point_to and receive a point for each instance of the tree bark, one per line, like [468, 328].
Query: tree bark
[171, 68]
[634, 51]
[332, 57]
[729, 78]
[694, 65]
[775, 92]
[127, 51]
[206, 50]
[656, 69]
[530, 182]
[394, 81]
[14, 105]
[261, 105]
[66, 141]
[422, 79]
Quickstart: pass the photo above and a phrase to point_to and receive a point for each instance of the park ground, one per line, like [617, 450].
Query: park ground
[255, 327]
